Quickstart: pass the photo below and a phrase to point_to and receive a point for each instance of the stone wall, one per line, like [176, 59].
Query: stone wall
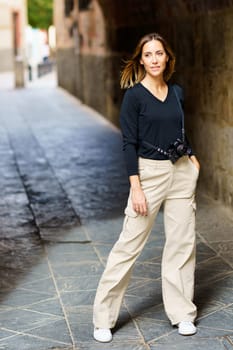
[97, 87]
[203, 45]
[86, 67]
[201, 34]
[209, 85]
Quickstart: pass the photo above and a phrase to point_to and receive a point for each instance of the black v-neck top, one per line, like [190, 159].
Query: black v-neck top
[145, 118]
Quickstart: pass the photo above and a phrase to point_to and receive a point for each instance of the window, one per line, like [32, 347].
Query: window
[69, 5]
[84, 4]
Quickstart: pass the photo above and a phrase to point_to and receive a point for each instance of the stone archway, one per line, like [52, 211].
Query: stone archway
[200, 31]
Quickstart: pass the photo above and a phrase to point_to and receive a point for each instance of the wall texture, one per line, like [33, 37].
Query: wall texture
[205, 69]
[98, 35]
[6, 60]
[12, 41]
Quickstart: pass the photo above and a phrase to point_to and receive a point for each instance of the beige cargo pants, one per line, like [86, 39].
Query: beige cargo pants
[173, 185]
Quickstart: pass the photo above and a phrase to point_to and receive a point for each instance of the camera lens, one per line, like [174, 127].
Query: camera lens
[180, 149]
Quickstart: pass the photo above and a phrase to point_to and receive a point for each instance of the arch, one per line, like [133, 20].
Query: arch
[200, 32]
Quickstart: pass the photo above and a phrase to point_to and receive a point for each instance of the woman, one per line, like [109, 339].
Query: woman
[162, 170]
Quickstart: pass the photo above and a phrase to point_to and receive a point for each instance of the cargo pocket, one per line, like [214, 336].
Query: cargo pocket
[130, 212]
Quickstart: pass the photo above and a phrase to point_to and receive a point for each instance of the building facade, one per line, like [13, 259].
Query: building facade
[13, 21]
[81, 43]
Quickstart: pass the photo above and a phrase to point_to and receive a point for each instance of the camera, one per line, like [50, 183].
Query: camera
[176, 150]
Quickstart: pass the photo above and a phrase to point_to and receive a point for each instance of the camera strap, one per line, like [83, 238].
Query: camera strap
[182, 113]
[159, 149]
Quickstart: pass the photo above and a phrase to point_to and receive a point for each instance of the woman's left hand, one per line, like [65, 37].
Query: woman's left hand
[195, 162]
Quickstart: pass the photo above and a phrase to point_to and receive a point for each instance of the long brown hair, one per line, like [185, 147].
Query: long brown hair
[134, 72]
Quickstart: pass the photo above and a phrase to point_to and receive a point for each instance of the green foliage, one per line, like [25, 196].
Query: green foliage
[40, 13]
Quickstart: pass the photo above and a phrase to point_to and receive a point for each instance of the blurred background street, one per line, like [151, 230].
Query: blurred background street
[63, 180]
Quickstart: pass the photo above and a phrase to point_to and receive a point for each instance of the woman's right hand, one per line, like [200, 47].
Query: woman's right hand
[139, 201]
[137, 196]
[195, 162]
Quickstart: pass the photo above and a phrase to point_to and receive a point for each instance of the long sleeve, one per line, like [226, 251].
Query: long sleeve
[129, 127]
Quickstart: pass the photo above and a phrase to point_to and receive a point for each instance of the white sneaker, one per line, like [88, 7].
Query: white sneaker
[102, 335]
[186, 328]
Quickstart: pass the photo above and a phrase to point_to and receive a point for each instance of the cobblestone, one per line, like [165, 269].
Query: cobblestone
[63, 189]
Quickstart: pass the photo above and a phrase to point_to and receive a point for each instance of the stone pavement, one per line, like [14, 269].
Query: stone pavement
[63, 190]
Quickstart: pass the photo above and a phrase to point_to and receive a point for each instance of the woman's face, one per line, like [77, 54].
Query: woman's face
[154, 58]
